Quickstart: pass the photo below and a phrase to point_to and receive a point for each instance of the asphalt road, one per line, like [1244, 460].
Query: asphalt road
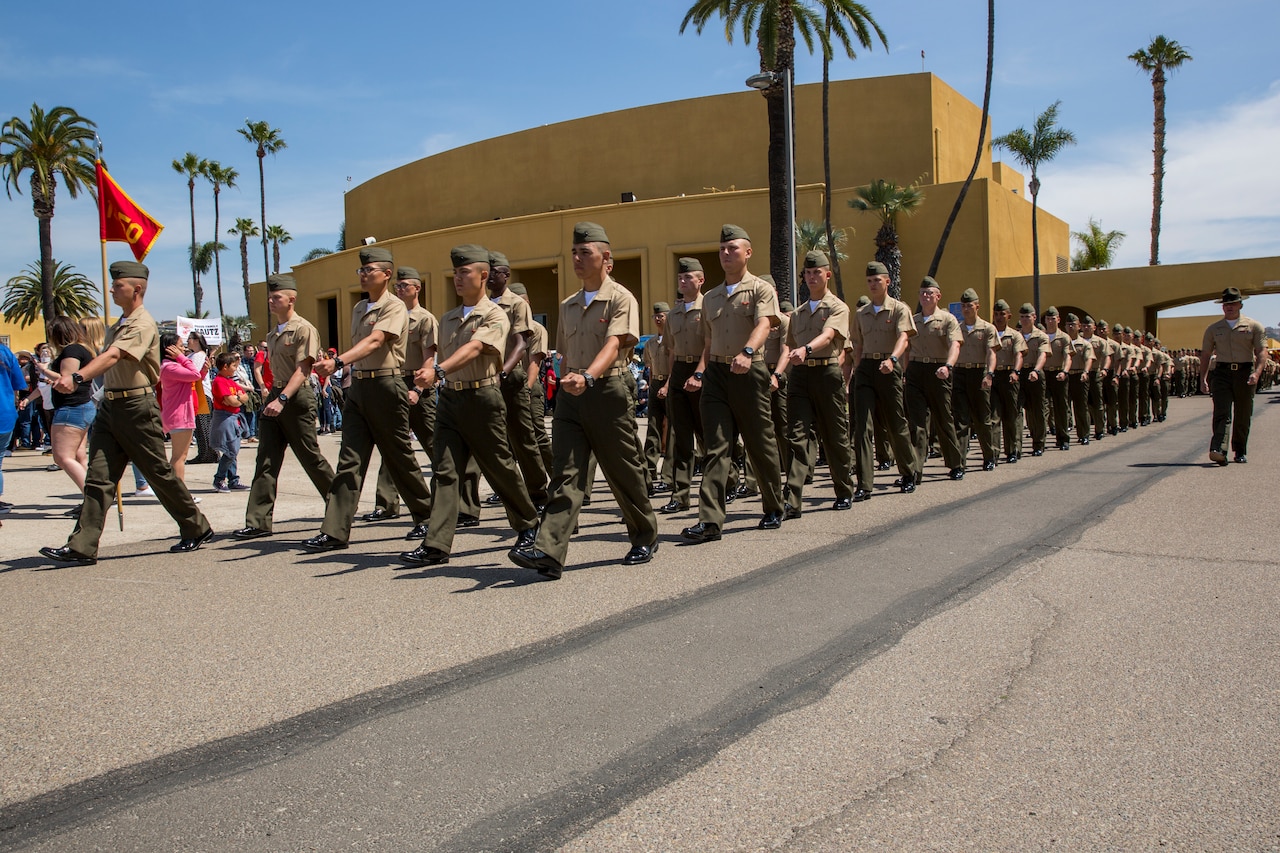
[801, 689]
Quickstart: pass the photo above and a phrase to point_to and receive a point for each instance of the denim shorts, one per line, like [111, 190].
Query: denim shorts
[79, 417]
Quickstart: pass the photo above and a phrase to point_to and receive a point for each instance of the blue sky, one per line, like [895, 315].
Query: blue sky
[359, 90]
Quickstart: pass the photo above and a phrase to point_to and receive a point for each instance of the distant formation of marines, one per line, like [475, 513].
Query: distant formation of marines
[750, 392]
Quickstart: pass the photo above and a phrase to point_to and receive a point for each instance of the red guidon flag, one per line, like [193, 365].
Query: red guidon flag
[120, 220]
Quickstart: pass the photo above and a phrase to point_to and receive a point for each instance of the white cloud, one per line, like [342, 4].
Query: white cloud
[1220, 188]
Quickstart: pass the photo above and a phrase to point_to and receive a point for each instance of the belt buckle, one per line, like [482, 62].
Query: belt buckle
[1235, 366]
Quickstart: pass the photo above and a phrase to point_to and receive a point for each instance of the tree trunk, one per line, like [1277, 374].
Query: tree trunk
[1157, 174]
[275, 256]
[888, 253]
[217, 255]
[262, 195]
[781, 267]
[982, 142]
[244, 268]
[195, 275]
[826, 170]
[43, 207]
[1035, 244]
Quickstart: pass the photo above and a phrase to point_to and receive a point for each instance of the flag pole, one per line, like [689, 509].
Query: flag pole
[106, 298]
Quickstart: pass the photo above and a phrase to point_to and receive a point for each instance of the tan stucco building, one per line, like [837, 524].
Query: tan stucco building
[691, 166]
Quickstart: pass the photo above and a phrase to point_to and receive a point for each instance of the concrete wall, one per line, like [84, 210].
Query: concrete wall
[1134, 295]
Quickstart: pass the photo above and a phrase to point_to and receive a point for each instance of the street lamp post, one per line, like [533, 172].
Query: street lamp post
[762, 81]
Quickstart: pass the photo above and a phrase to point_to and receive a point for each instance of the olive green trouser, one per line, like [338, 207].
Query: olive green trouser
[125, 431]
[537, 401]
[972, 406]
[601, 422]
[521, 435]
[737, 404]
[376, 413]
[876, 391]
[1077, 387]
[1232, 407]
[684, 410]
[1032, 397]
[294, 428]
[816, 402]
[924, 394]
[1097, 414]
[1058, 401]
[1111, 396]
[657, 464]
[422, 423]
[471, 425]
[1005, 402]
[1144, 398]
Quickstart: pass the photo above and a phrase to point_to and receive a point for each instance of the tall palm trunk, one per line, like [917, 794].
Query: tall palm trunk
[826, 166]
[244, 268]
[275, 256]
[196, 290]
[262, 195]
[1035, 242]
[217, 260]
[1157, 187]
[781, 267]
[982, 142]
[43, 206]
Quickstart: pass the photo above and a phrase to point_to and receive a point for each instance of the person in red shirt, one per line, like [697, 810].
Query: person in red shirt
[228, 397]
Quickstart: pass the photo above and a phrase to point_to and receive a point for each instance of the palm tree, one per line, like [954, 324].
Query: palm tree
[1097, 247]
[318, 252]
[238, 328]
[73, 295]
[812, 236]
[201, 262]
[1155, 58]
[220, 177]
[982, 142]
[278, 237]
[886, 200]
[1045, 141]
[193, 167]
[244, 229]
[59, 142]
[266, 140]
[774, 24]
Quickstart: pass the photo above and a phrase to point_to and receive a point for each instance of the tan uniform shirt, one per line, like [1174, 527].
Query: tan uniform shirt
[424, 333]
[686, 331]
[583, 327]
[657, 355]
[731, 318]
[1059, 346]
[288, 346]
[1011, 343]
[808, 322]
[935, 335]
[487, 323]
[539, 340]
[519, 315]
[773, 343]
[1037, 342]
[1100, 350]
[1081, 354]
[878, 331]
[387, 315]
[1234, 346]
[138, 338]
[978, 341]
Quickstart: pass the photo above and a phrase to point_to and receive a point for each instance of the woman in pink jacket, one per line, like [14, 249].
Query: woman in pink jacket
[177, 406]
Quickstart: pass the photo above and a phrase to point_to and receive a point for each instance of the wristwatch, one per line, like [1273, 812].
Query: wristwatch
[697, 374]
[589, 379]
[338, 363]
[77, 378]
[440, 372]
[808, 351]
[283, 398]
[748, 351]
[894, 359]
